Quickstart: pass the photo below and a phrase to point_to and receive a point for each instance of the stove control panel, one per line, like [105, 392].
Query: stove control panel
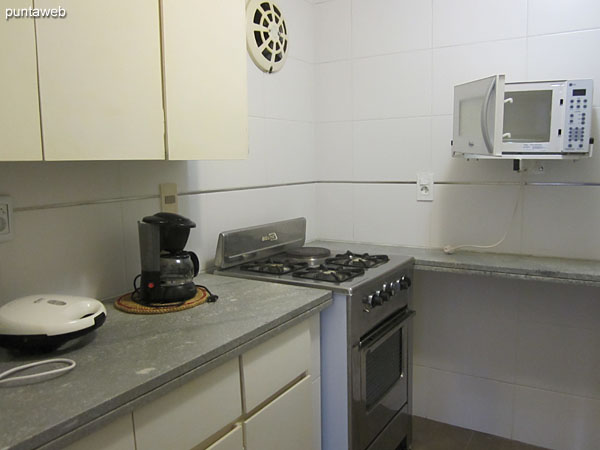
[386, 293]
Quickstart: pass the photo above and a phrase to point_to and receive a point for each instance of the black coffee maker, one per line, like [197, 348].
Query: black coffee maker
[167, 270]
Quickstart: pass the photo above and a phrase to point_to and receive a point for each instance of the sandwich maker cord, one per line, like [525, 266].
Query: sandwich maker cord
[5, 377]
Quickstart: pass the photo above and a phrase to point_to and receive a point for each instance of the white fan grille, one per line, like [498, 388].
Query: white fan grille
[266, 35]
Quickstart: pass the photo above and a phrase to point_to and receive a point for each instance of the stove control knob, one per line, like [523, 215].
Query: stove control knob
[377, 299]
[405, 283]
[368, 302]
[385, 294]
[390, 289]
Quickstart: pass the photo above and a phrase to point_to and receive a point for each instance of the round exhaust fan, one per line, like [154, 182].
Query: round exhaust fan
[266, 35]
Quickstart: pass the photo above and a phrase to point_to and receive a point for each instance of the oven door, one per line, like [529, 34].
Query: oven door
[379, 378]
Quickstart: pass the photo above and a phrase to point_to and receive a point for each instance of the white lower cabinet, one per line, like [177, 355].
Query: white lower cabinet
[234, 440]
[117, 435]
[285, 423]
[191, 414]
[267, 399]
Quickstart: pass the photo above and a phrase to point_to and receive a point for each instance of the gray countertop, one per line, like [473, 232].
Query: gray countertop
[560, 270]
[133, 359]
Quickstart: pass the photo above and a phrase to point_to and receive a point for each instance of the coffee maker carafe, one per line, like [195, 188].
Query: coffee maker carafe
[167, 270]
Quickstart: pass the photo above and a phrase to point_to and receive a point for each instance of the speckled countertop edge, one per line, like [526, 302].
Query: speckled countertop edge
[247, 313]
[557, 270]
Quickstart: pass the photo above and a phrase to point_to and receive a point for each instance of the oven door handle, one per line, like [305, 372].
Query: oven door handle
[386, 330]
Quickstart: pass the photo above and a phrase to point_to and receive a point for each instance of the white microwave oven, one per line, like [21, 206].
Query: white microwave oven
[525, 120]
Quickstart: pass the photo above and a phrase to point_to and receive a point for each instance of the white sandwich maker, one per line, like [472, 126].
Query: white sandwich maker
[45, 322]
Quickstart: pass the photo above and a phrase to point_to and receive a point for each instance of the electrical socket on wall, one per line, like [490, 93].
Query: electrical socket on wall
[425, 187]
[6, 219]
[168, 198]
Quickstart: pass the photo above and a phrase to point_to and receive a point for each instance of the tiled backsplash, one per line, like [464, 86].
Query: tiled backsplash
[389, 116]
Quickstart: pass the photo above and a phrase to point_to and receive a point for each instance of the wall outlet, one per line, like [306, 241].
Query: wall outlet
[6, 219]
[168, 198]
[425, 187]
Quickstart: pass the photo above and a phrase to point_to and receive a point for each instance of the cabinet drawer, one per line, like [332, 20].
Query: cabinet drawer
[117, 435]
[274, 364]
[285, 423]
[231, 441]
[187, 416]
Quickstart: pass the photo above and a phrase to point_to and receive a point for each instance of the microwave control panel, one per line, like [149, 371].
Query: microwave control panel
[578, 116]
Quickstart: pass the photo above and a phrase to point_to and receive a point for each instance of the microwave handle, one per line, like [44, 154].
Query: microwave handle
[485, 132]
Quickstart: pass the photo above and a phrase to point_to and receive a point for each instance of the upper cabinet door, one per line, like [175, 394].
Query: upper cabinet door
[204, 44]
[20, 138]
[100, 80]
[478, 116]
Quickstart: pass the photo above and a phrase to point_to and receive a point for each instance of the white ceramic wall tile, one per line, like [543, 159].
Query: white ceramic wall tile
[335, 211]
[555, 420]
[76, 251]
[562, 56]
[466, 324]
[289, 151]
[392, 149]
[476, 215]
[397, 85]
[333, 91]
[332, 41]
[289, 93]
[257, 80]
[457, 65]
[390, 214]
[300, 22]
[464, 21]
[333, 148]
[562, 305]
[447, 168]
[562, 221]
[559, 358]
[585, 170]
[470, 402]
[546, 17]
[389, 26]
[42, 183]
[420, 390]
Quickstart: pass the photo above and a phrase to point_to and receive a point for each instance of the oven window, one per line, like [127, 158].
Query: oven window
[384, 367]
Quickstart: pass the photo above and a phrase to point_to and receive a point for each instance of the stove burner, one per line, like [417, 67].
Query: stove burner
[308, 252]
[364, 261]
[272, 266]
[337, 274]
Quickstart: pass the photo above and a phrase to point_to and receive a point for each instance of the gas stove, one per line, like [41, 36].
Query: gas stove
[365, 335]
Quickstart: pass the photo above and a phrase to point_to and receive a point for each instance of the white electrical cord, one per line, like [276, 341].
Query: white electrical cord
[449, 249]
[5, 376]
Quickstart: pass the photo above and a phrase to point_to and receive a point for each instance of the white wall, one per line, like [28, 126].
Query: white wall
[385, 76]
[512, 358]
[92, 249]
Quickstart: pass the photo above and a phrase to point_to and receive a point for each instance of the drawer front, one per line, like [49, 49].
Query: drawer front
[117, 435]
[271, 366]
[231, 441]
[184, 418]
[286, 423]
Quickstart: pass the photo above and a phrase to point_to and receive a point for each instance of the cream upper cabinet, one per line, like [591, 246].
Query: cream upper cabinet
[20, 138]
[100, 80]
[204, 45]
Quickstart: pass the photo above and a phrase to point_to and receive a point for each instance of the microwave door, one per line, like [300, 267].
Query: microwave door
[478, 117]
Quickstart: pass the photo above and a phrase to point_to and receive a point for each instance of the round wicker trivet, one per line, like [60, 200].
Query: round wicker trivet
[126, 304]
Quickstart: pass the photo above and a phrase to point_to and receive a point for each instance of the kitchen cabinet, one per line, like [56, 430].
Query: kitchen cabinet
[286, 422]
[192, 413]
[100, 80]
[20, 138]
[204, 45]
[268, 395]
[117, 435]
